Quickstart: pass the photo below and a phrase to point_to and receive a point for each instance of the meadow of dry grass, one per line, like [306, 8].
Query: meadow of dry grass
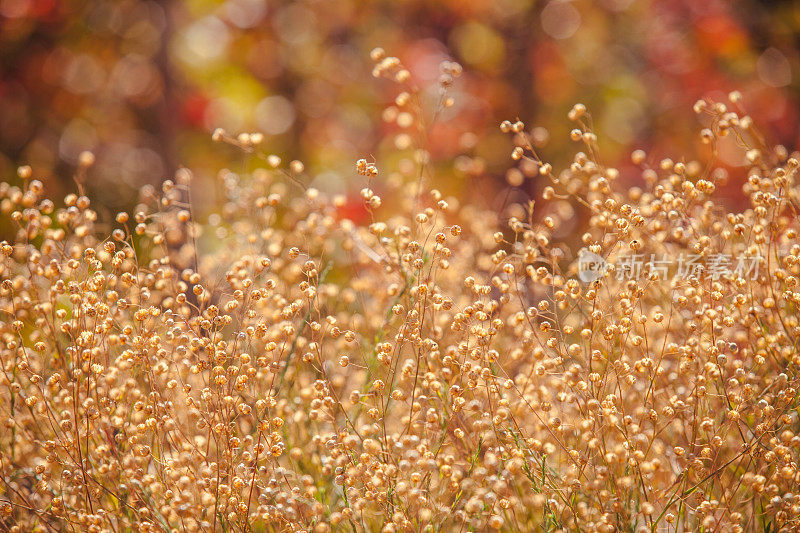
[436, 366]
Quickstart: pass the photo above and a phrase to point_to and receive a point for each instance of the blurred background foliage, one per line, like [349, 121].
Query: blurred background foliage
[142, 83]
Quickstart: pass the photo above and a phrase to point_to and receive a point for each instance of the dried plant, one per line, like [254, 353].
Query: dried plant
[437, 368]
